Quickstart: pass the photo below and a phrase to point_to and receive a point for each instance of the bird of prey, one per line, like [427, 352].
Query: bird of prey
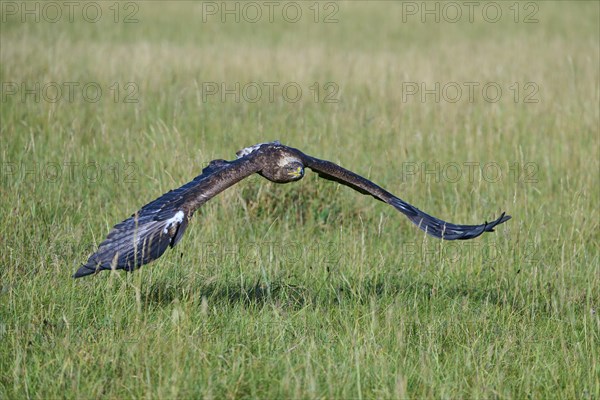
[145, 235]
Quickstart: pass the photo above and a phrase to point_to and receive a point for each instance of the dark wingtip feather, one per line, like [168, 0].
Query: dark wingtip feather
[442, 229]
[489, 226]
[84, 270]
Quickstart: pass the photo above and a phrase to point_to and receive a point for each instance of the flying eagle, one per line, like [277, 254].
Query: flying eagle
[145, 235]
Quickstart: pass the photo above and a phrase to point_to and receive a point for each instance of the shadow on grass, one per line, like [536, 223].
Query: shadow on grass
[334, 292]
[283, 294]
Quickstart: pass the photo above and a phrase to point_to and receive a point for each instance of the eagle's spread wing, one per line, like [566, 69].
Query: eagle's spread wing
[145, 235]
[431, 225]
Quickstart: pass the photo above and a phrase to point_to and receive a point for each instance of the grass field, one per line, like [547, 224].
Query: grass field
[307, 290]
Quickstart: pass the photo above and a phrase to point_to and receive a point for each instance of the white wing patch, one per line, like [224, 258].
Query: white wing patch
[245, 151]
[176, 219]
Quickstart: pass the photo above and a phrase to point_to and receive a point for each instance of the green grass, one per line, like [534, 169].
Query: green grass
[307, 290]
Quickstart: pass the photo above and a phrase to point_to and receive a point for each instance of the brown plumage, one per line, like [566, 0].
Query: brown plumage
[145, 235]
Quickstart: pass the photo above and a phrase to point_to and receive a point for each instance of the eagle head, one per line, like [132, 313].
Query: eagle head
[283, 169]
[295, 170]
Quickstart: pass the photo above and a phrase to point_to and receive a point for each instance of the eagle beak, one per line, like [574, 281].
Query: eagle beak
[297, 172]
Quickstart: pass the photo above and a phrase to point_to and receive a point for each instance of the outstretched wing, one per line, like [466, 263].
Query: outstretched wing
[145, 235]
[431, 225]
